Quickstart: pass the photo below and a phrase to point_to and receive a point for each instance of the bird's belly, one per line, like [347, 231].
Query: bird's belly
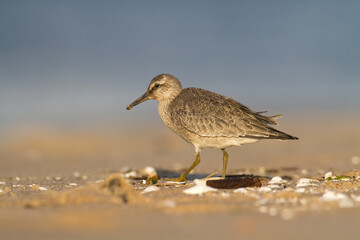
[221, 142]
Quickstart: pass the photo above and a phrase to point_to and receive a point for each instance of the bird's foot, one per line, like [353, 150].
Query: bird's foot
[178, 179]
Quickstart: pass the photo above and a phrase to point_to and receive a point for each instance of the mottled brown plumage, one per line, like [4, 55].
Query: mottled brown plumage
[207, 119]
[209, 114]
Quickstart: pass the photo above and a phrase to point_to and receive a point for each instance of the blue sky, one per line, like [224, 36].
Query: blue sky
[64, 62]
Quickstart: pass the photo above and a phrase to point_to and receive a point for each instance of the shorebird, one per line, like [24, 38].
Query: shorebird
[207, 119]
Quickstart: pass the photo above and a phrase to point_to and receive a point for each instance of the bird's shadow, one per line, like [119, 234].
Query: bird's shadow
[165, 173]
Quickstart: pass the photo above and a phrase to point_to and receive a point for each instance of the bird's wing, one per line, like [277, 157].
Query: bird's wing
[212, 115]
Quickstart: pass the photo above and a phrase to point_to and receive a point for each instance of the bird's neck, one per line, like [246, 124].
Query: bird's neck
[164, 113]
[163, 107]
[166, 97]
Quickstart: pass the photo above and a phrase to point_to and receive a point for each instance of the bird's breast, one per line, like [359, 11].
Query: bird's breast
[165, 114]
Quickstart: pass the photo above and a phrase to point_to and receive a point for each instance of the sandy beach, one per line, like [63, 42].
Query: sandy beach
[54, 184]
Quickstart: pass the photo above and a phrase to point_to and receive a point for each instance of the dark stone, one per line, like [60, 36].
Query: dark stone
[235, 181]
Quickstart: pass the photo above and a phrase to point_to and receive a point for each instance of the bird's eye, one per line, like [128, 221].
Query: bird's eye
[156, 85]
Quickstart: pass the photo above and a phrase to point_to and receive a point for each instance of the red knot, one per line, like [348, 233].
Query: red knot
[207, 119]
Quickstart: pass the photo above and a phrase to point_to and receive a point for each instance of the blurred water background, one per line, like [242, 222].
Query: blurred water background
[76, 63]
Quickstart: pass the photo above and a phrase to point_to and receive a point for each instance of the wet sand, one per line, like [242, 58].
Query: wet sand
[52, 184]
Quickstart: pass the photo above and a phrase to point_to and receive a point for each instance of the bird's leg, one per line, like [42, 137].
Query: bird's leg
[225, 161]
[182, 178]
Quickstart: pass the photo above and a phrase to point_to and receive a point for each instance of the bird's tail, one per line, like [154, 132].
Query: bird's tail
[281, 135]
[268, 119]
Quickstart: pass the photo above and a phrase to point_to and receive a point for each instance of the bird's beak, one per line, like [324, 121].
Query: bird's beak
[141, 99]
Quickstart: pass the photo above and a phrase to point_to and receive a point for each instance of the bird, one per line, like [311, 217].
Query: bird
[207, 119]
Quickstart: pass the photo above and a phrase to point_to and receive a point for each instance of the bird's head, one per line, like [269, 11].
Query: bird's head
[163, 87]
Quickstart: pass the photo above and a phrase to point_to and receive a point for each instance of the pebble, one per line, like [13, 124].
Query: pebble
[225, 194]
[130, 174]
[241, 190]
[274, 186]
[287, 214]
[273, 211]
[2, 183]
[328, 175]
[199, 188]
[58, 178]
[263, 209]
[264, 189]
[355, 160]
[72, 184]
[306, 182]
[355, 197]
[34, 187]
[300, 190]
[314, 191]
[125, 169]
[304, 171]
[76, 174]
[262, 201]
[151, 189]
[149, 170]
[332, 196]
[43, 189]
[346, 203]
[262, 170]
[276, 180]
[168, 203]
